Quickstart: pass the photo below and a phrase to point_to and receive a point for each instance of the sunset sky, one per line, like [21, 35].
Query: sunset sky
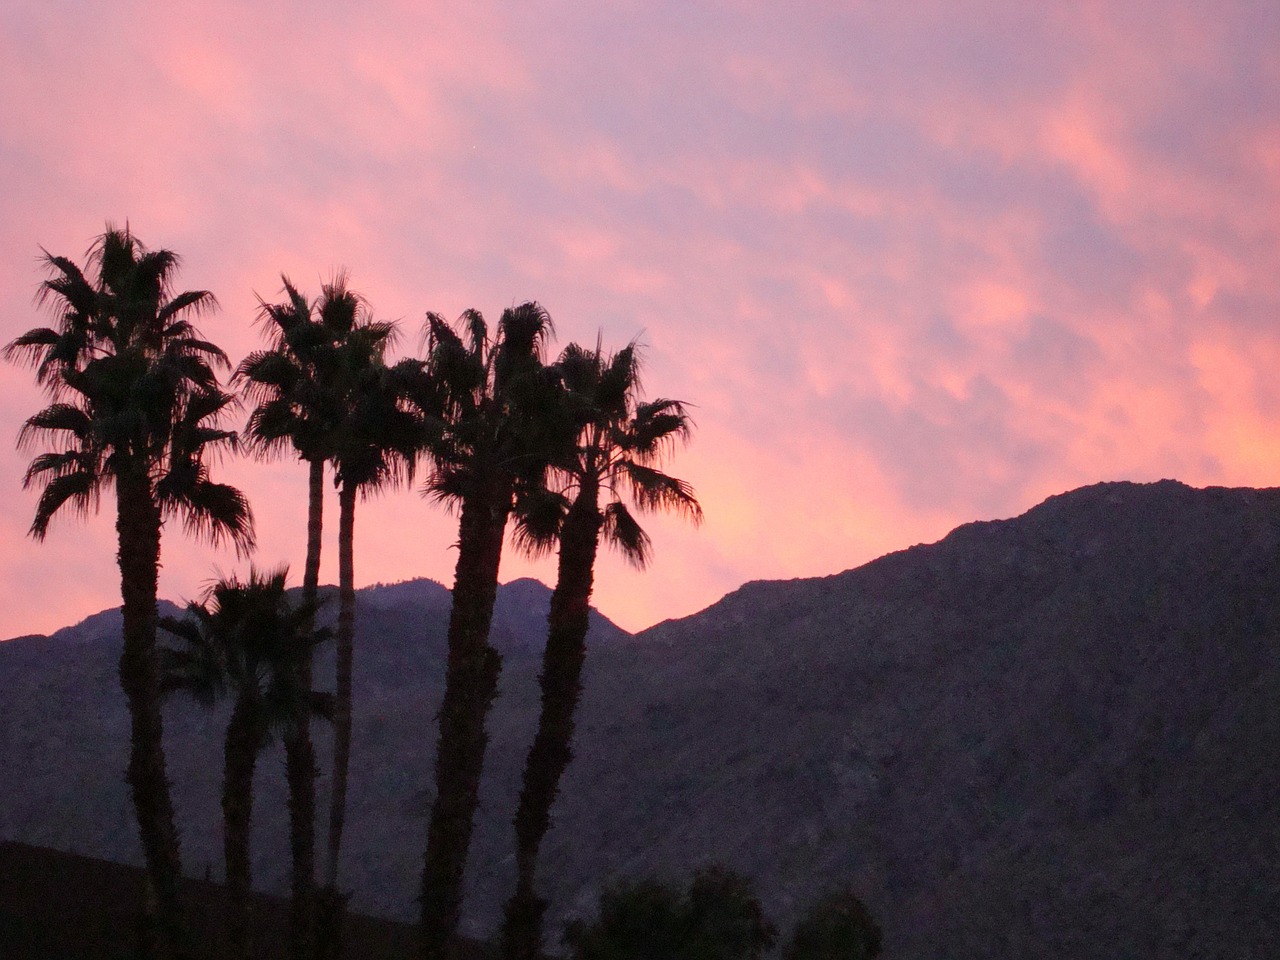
[912, 264]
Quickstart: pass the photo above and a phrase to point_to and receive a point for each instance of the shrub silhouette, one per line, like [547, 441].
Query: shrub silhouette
[638, 920]
[719, 918]
[723, 917]
[838, 927]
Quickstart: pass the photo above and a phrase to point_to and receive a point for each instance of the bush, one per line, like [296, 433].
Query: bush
[638, 921]
[723, 919]
[838, 927]
[719, 918]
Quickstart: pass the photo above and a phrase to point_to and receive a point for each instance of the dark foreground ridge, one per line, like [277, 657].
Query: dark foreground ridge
[61, 906]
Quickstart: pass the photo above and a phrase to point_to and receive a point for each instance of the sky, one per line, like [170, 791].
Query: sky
[911, 265]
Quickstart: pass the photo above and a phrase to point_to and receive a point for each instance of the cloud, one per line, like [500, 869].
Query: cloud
[914, 266]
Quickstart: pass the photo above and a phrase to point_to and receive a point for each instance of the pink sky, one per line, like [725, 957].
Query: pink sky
[913, 265]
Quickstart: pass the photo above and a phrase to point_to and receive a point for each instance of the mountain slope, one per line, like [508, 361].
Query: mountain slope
[1051, 735]
[1050, 730]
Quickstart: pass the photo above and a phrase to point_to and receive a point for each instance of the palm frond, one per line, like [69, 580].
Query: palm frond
[472, 325]
[217, 512]
[55, 419]
[58, 463]
[180, 343]
[78, 488]
[198, 303]
[436, 332]
[655, 429]
[654, 490]
[265, 374]
[31, 347]
[196, 668]
[525, 330]
[271, 429]
[539, 515]
[619, 381]
[621, 531]
[449, 487]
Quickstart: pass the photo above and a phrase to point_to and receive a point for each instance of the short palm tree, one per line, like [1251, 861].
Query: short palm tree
[136, 406]
[245, 640]
[495, 398]
[620, 443]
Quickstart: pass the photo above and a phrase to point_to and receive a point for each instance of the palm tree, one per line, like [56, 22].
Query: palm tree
[246, 640]
[325, 390]
[620, 443]
[375, 444]
[494, 397]
[293, 385]
[135, 405]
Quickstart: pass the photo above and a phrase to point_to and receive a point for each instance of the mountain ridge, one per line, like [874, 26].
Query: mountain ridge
[1043, 735]
[519, 606]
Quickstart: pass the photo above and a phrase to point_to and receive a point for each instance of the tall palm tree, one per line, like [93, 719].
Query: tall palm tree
[620, 444]
[294, 386]
[325, 390]
[245, 640]
[135, 406]
[375, 444]
[494, 396]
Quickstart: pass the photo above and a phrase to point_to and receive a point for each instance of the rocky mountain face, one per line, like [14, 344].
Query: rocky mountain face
[1047, 736]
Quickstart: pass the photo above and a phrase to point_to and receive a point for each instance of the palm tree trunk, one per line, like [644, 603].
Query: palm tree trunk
[342, 677]
[237, 811]
[138, 533]
[315, 525]
[471, 681]
[300, 758]
[561, 682]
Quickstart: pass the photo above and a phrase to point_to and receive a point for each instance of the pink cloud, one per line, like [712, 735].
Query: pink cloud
[923, 264]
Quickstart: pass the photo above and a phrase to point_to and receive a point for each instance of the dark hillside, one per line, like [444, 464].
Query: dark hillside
[59, 906]
[1050, 730]
[1046, 736]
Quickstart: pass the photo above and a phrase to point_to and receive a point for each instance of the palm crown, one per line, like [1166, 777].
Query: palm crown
[620, 442]
[134, 391]
[491, 398]
[299, 385]
[325, 389]
[245, 639]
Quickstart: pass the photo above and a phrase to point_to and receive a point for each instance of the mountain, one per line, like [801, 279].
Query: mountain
[64, 735]
[1051, 735]
[105, 623]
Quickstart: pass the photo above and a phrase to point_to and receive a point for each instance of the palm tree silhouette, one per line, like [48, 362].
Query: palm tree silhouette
[376, 441]
[245, 640]
[620, 443]
[135, 405]
[495, 398]
[293, 385]
[325, 390]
